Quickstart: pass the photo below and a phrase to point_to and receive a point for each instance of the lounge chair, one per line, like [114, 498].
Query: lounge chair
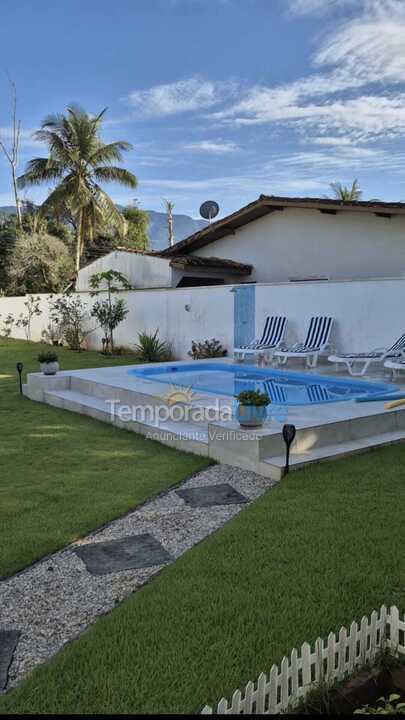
[316, 342]
[271, 338]
[395, 365]
[365, 359]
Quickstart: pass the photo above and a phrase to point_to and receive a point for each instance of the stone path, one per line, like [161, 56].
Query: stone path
[53, 601]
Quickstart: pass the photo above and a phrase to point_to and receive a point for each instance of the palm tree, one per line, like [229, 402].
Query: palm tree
[345, 193]
[78, 161]
[169, 206]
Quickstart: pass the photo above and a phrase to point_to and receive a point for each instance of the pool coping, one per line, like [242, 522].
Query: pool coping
[335, 426]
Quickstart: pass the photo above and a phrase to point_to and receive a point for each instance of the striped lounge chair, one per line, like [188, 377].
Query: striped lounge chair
[276, 392]
[271, 338]
[358, 363]
[316, 342]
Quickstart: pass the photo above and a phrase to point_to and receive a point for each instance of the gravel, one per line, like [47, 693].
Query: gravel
[56, 599]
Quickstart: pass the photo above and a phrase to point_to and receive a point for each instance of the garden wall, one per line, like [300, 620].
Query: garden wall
[368, 313]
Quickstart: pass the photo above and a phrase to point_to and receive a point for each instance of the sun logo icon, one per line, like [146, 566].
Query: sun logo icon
[178, 395]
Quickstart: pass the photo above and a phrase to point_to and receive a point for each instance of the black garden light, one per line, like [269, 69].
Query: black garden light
[20, 368]
[289, 432]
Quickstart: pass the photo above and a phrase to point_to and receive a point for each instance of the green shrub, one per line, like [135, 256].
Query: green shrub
[150, 349]
[253, 397]
[70, 314]
[384, 706]
[47, 357]
[207, 349]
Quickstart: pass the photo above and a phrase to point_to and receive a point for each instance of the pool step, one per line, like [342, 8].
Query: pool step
[176, 434]
[275, 465]
[319, 436]
[264, 452]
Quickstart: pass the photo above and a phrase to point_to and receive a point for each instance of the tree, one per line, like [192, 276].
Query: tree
[170, 231]
[12, 153]
[38, 263]
[70, 315]
[137, 228]
[109, 313]
[345, 193]
[8, 236]
[78, 161]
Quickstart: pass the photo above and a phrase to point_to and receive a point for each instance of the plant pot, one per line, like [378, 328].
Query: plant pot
[251, 416]
[49, 368]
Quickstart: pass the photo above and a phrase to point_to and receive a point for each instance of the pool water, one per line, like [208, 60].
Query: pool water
[282, 386]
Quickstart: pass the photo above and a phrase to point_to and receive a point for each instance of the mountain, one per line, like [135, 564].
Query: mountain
[7, 210]
[183, 226]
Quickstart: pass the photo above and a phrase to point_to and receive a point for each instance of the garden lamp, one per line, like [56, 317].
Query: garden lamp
[289, 432]
[20, 367]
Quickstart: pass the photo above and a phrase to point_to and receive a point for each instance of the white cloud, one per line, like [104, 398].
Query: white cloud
[329, 141]
[304, 7]
[369, 48]
[265, 181]
[26, 137]
[346, 95]
[211, 147]
[178, 97]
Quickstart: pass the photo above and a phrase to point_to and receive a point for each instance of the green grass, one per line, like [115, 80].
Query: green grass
[322, 548]
[63, 474]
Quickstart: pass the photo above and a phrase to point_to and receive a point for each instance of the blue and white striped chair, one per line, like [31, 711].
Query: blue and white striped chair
[276, 392]
[358, 363]
[271, 338]
[316, 342]
[317, 394]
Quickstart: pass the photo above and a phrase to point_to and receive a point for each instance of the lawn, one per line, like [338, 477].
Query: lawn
[62, 474]
[322, 548]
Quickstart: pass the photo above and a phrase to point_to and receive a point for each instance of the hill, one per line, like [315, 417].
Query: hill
[183, 225]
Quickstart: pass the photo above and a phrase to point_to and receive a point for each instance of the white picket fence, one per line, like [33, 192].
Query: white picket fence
[328, 661]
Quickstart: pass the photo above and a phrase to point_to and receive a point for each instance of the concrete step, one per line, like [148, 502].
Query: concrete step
[331, 452]
[119, 397]
[176, 434]
[310, 439]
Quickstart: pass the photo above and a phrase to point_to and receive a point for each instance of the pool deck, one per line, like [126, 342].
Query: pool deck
[324, 431]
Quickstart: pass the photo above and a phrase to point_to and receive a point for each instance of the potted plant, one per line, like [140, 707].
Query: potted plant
[48, 363]
[251, 411]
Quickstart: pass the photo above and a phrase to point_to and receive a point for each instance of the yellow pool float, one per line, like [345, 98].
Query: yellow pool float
[394, 404]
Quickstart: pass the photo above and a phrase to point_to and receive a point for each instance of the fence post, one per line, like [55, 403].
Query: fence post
[306, 664]
[273, 678]
[394, 629]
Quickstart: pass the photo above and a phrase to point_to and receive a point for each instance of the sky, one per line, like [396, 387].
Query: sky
[221, 99]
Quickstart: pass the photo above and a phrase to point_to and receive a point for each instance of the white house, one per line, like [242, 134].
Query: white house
[290, 239]
[274, 239]
[148, 270]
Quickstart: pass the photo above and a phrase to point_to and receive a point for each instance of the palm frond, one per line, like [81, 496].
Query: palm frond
[54, 122]
[115, 174]
[108, 153]
[41, 170]
[111, 213]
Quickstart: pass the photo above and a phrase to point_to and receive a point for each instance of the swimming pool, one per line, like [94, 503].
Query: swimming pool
[282, 386]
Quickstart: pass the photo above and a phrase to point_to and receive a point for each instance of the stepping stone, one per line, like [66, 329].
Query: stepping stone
[210, 495]
[8, 643]
[129, 553]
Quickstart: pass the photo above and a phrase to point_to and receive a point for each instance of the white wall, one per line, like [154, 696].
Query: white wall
[299, 243]
[368, 313]
[142, 271]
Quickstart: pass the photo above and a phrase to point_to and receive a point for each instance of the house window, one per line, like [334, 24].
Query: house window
[190, 281]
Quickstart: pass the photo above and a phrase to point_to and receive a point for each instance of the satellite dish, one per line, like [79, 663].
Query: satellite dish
[209, 210]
